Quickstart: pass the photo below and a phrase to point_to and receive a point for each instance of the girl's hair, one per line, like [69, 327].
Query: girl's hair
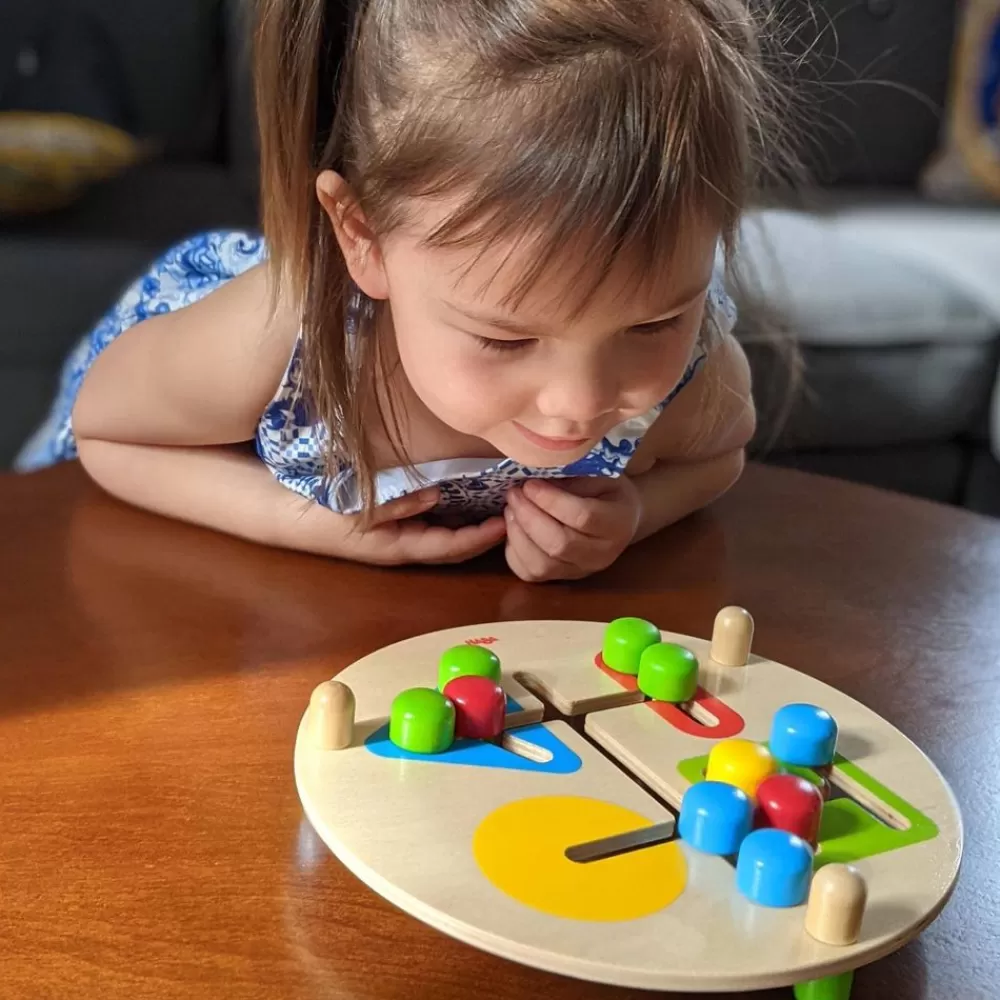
[613, 121]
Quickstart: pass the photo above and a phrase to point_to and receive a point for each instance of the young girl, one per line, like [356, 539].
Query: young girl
[489, 307]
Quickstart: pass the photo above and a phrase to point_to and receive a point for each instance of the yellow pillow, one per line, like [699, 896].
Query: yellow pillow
[969, 164]
[46, 160]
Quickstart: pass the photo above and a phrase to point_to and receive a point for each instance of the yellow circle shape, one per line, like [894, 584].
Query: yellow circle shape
[521, 849]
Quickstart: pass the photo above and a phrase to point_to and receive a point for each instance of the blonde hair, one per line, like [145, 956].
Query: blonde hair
[610, 120]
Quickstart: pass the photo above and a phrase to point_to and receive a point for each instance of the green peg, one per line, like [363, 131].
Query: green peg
[422, 720]
[827, 988]
[668, 672]
[624, 641]
[460, 661]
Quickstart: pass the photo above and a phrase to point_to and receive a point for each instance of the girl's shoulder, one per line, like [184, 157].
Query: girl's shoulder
[181, 276]
[192, 268]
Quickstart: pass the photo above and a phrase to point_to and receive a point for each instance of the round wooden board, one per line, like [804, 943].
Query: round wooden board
[406, 827]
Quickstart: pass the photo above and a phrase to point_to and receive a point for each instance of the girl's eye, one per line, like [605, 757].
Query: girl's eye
[503, 346]
[660, 326]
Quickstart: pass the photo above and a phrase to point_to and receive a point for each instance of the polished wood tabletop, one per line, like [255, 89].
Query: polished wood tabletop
[152, 677]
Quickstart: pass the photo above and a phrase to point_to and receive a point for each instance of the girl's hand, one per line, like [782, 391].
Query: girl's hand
[396, 538]
[571, 530]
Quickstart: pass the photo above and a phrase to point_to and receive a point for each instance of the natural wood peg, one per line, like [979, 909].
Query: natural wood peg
[836, 905]
[732, 637]
[331, 716]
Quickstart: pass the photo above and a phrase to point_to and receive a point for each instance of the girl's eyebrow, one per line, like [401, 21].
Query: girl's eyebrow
[506, 323]
[528, 329]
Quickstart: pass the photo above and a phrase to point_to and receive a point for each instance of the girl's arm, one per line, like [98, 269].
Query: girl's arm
[164, 414]
[231, 490]
[695, 452]
[200, 376]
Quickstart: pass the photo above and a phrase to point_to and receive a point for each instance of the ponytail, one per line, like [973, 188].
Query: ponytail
[287, 62]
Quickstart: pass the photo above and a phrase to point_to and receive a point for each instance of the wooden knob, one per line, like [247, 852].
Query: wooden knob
[331, 716]
[732, 637]
[836, 906]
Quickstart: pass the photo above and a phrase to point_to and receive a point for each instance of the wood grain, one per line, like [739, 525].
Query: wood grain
[143, 659]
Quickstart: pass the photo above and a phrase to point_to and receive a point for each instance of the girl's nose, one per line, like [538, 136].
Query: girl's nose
[578, 397]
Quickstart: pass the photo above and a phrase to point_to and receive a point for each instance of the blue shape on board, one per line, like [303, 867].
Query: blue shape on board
[715, 817]
[803, 735]
[774, 868]
[477, 753]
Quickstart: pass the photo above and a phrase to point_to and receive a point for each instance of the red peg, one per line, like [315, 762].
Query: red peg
[787, 802]
[480, 705]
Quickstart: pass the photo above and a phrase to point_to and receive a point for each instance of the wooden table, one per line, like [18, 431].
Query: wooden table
[153, 675]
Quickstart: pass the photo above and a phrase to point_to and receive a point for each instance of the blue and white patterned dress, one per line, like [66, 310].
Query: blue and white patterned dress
[288, 442]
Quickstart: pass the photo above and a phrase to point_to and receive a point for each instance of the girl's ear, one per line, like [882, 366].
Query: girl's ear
[354, 234]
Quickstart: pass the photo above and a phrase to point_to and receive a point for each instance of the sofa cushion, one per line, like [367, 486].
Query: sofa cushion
[874, 397]
[933, 471]
[865, 270]
[899, 302]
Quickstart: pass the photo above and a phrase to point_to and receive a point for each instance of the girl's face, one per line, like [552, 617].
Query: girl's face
[538, 384]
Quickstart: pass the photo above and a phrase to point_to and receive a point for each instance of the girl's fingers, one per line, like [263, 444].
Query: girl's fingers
[517, 567]
[550, 535]
[407, 506]
[579, 513]
[523, 556]
[534, 563]
[422, 543]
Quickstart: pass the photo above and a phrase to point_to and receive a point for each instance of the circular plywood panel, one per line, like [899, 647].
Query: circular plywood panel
[473, 842]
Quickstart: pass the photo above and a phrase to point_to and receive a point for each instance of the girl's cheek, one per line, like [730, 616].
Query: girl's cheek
[650, 378]
[463, 381]
[487, 384]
